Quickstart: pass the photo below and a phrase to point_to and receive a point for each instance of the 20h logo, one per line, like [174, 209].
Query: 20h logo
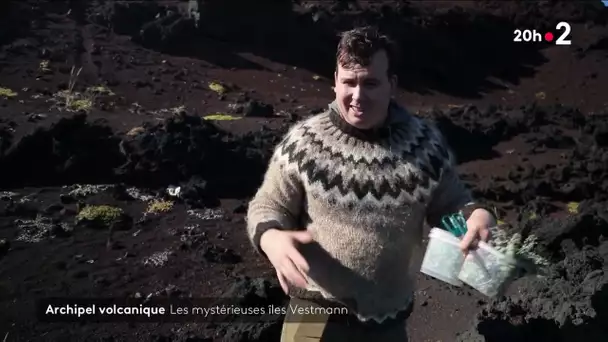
[535, 36]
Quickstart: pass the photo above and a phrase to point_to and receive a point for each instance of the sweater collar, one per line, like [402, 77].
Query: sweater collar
[373, 134]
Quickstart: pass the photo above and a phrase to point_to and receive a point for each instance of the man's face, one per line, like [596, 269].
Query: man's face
[363, 93]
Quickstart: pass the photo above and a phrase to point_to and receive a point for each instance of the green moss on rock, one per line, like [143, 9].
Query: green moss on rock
[102, 216]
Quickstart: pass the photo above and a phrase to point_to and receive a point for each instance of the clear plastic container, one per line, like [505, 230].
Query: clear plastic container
[443, 258]
[487, 270]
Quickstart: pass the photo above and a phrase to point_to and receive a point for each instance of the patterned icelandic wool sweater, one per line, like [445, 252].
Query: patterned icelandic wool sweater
[364, 196]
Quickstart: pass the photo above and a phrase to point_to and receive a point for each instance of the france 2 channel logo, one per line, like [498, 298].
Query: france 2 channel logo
[527, 35]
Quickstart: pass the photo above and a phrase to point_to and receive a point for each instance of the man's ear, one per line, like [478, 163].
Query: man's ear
[335, 80]
[394, 82]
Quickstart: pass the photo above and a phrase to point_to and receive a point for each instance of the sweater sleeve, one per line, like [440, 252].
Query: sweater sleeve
[451, 195]
[278, 202]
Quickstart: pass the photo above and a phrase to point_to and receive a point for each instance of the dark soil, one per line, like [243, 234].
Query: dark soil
[527, 121]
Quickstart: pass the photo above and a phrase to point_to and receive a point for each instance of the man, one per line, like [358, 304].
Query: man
[342, 204]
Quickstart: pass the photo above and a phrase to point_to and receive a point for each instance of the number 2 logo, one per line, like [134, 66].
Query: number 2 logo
[562, 39]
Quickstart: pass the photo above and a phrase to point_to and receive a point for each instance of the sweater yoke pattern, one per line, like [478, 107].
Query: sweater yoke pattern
[403, 163]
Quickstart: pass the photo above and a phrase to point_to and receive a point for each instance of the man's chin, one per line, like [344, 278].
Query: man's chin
[360, 122]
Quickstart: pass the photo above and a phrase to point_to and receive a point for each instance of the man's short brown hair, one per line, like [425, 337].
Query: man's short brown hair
[359, 45]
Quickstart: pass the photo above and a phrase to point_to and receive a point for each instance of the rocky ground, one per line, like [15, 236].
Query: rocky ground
[108, 107]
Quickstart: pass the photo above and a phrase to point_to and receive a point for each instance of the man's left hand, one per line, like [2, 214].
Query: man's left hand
[478, 226]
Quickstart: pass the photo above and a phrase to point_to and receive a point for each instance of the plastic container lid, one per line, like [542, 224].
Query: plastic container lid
[485, 246]
[444, 235]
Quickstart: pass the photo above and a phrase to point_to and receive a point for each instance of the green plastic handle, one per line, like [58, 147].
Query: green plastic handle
[455, 224]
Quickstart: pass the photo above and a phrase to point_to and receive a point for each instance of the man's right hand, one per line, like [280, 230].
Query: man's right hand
[280, 248]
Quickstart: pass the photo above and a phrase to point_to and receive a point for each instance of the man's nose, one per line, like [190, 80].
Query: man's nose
[357, 92]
